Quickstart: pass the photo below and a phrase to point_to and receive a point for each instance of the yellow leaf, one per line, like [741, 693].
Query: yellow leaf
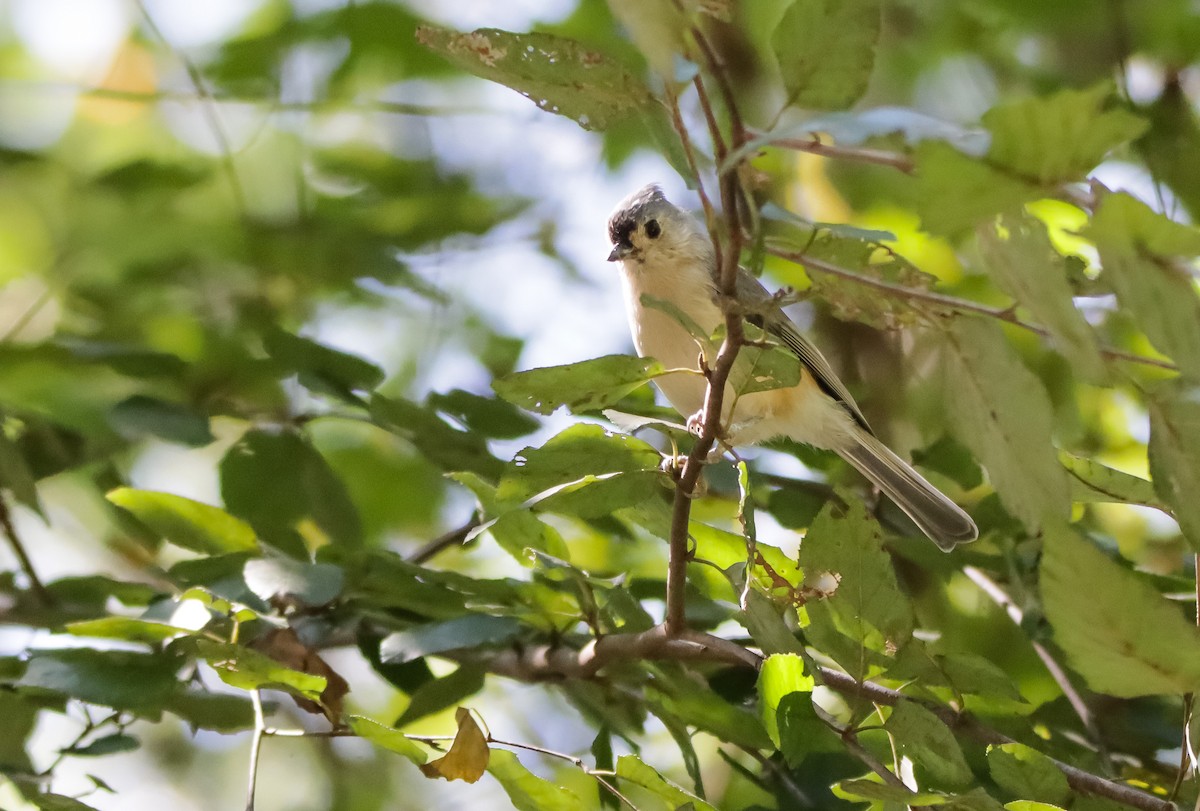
[468, 755]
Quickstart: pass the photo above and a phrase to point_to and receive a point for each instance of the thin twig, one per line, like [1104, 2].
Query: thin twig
[452, 538]
[14, 540]
[1014, 612]
[260, 728]
[815, 146]
[1005, 314]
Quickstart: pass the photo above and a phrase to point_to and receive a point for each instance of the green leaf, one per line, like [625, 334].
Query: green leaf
[764, 369]
[766, 625]
[447, 447]
[1060, 137]
[1000, 410]
[140, 416]
[527, 791]
[277, 481]
[140, 682]
[867, 605]
[631, 768]
[483, 415]
[971, 673]
[439, 694]
[1124, 637]
[1175, 456]
[307, 584]
[954, 192]
[1092, 482]
[186, 523]
[386, 737]
[785, 702]
[519, 530]
[826, 49]
[1134, 243]
[1018, 254]
[558, 74]
[1031, 805]
[569, 456]
[923, 738]
[127, 628]
[248, 669]
[107, 745]
[15, 475]
[1027, 773]
[589, 385]
[704, 709]
[948, 457]
[216, 711]
[320, 368]
[465, 632]
[851, 300]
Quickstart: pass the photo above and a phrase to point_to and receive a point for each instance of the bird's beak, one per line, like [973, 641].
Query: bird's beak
[619, 252]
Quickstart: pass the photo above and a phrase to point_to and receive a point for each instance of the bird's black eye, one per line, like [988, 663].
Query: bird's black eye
[653, 229]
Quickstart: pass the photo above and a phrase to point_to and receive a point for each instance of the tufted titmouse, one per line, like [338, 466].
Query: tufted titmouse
[666, 255]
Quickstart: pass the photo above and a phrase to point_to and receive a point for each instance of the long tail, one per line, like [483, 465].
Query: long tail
[938, 517]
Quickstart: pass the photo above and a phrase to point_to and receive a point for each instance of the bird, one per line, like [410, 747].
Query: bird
[665, 255]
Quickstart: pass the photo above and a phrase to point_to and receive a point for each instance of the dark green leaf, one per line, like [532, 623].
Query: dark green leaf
[631, 768]
[447, 447]
[59, 802]
[321, 368]
[141, 416]
[922, 737]
[107, 745]
[127, 628]
[309, 584]
[439, 694]
[139, 682]
[484, 415]
[465, 632]
[15, 475]
[1027, 773]
[216, 711]
[277, 481]
[951, 459]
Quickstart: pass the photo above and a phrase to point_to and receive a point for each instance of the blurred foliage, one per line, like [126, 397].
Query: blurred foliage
[176, 257]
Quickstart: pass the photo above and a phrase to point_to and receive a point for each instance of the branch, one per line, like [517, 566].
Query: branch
[260, 731]
[557, 663]
[1014, 612]
[14, 540]
[1005, 314]
[726, 273]
[452, 538]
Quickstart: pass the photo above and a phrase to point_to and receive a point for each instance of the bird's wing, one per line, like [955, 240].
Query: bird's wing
[752, 293]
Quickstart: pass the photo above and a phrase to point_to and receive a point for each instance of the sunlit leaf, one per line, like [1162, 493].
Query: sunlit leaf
[527, 791]
[585, 386]
[387, 738]
[1137, 645]
[557, 74]
[187, 523]
[631, 768]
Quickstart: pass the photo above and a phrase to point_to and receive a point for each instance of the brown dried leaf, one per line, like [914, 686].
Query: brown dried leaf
[468, 756]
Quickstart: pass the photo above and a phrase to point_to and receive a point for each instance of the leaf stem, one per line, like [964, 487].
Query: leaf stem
[14, 540]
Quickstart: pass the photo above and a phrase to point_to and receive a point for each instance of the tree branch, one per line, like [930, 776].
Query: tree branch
[558, 663]
[14, 540]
